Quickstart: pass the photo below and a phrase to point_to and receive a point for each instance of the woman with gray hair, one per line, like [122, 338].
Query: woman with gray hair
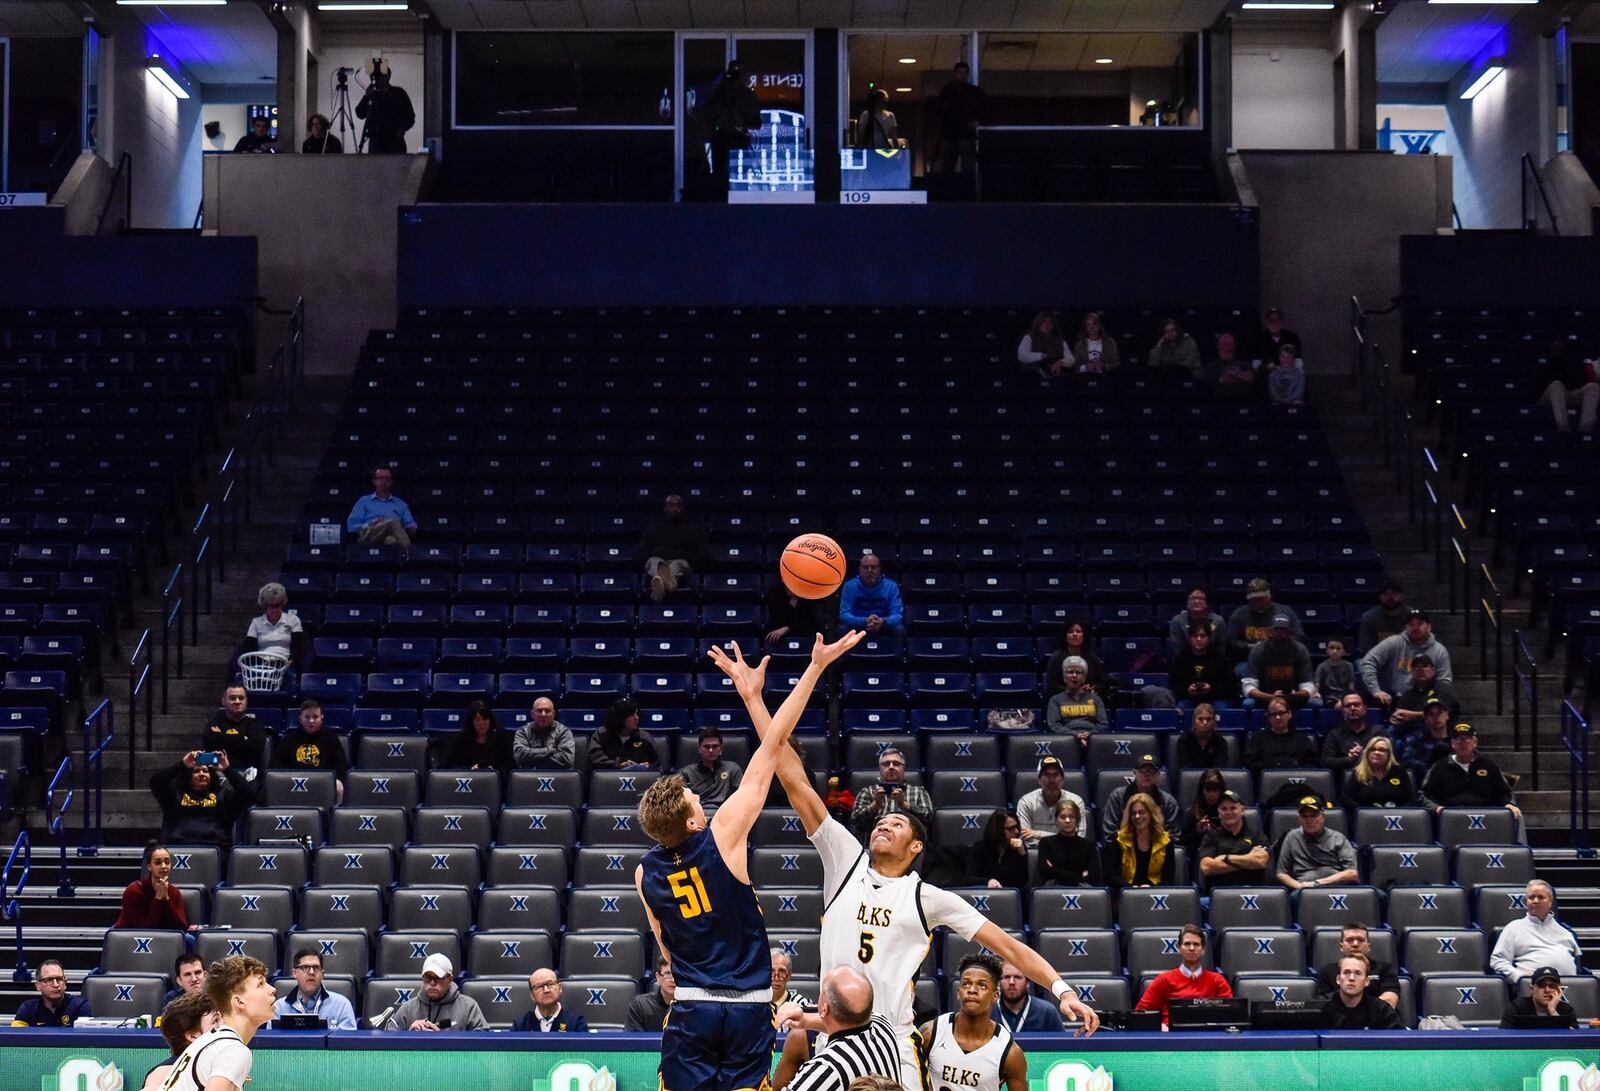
[277, 631]
[1075, 709]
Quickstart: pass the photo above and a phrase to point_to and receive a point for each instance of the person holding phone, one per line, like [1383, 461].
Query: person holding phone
[200, 796]
[152, 901]
[891, 795]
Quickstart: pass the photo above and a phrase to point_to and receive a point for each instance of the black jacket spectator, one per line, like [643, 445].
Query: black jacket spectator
[1566, 1015]
[791, 617]
[243, 740]
[466, 752]
[1395, 789]
[1381, 978]
[1480, 784]
[621, 741]
[389, 116]
[1268, 749]
[1214, 670]
[1068, 861]
[199, 805]
[676, 539]
[300, 749]
[1370, 1014]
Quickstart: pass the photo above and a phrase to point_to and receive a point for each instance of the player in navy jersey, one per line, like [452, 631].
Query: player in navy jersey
[695, 885]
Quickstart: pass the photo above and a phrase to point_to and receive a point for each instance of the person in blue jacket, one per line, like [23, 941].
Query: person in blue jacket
[547, 1016]
[871, 601]
[380, 516]
[52, 1007]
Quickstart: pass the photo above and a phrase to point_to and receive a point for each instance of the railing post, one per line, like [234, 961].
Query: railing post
[56, 823]
[11, 900]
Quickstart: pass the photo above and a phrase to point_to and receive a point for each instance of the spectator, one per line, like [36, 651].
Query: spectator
[1265, 344]
[1566, 382]
[1201, 747]
[1201, 815]
[1036, 811]
[380, 516]
[1019, 1009]
[891, 795]
[1196, 611]
[1385, 619]
[151, 901]
[259, 139]
[1230, 853]
[671, 549]
[546, 1016]
[621, 743]
[1422, 687]
[1314, 855]
[1544, 1000]
[1174, 354]
[311, 997]
[1336, 675]
[319, 141]
[649, 1011]
[713, 777]
[544, 742]
[1233, 379]
[877, 127]
[199, 803]
[1075, 641]
[870, 601]
[189, 973]
[1378, 780]
[1286, 378]
[479, 743]
[1068, 857]
[1189, 980]
[439, 1005]
[962, 105]
[1383, 983]
[310, 745]
[236, 733]
[1146, 782]
[1342, 745]
[1141, 854]
[1351, 1007]
[1096, 351]
[1043, 351]
[1000, 857]
[387, 110]
[1075, 709]
[782, 970]
[52, 1007]
[1280, 746]
[1252, 623]
[276, 631]
[1422, 750]
[788, 614]
[1466, 778]
[1537, 939]
[1279, 666]
[1386, 667]
[859, 1042]
[184, 1018]
[1200, 671]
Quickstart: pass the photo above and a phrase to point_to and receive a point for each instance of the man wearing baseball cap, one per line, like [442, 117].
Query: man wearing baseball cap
[1466, 778]
[1036, 811]
[1251, 623]
[1544, 1001]
[1232, 854]
[1314, 855]
[1424, 686]
[1386, 668]
[1146, 774]
[438, 1005]
[1280, 666]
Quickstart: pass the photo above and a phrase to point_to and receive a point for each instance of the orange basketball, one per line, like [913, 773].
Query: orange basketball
[812, 566]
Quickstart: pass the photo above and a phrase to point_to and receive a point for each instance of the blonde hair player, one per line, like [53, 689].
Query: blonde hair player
[220, 1061]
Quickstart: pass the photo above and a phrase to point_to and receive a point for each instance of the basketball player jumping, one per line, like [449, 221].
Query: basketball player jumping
[878, 915]
[695, 885]
[966, 1049]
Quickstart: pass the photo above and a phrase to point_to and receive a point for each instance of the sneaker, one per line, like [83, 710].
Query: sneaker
[658, 588]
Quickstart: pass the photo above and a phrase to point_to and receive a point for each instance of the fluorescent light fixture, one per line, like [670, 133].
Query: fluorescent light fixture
[1286, 5]
[1104, 60]
[903, 90]
[1483, 1]
[172, 3]
[362, 5]
[165, 77]
[1493, 70]
[908, 60]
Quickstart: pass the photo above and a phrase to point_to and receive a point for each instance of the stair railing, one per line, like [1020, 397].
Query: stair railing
[11, 898]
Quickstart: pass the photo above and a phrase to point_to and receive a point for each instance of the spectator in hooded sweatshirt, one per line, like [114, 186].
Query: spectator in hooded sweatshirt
[1425, 688]
[871, 601]
[1252, 623]
[1196, 608]
[1386, 668]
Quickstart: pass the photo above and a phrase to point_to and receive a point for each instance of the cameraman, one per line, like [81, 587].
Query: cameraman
[200, 798]
[388, 113]
[891, 795]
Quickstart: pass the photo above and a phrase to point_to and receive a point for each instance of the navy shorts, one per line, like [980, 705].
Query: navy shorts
[716, 1047]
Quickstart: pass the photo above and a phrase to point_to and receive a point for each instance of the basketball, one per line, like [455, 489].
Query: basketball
[812, 566]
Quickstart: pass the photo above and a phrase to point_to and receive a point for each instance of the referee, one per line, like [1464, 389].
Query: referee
[859, 1043]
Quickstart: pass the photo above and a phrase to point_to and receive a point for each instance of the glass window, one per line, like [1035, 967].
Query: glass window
[521, 79]
[1090, 79]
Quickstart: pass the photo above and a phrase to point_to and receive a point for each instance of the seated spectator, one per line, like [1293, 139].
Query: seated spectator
[1233, 379]
[1019, 1009]
[1543, 1000]
[1146, 782]
[790, 615]
[891, 795]
[870, 601]
[1351, 1007]
[1378, 780]
[52, 1007]
[233, 731]
[438, 1005]
[1230, 853]
[1043, 351]
[1036, 811]
[1075, 709]
[380, 516]
[621, 743]
[1075, 640]
[544, 742]
[310, 745]
[1189, 980]
[1536, 939]
[782, 970]
[1280, 746]
[479, 744]
[319, 141]
[546, 1016]
[1567, 382]
[1068, 857]
[1386, 668]
[1466, 778]
[1314, 855]
[1174, 355]
[1342, 745]
[258, 139]
[1141, 854]
[1274, 335]
[1383, 983]
[1286, 377]
[1201, 815]
[151, 901]
[1336, 675]
[1096, 351]
[1201, 672]
[311, 997]
[1424, 686]
[200, 803]
[276, 631]
[648, 1011]
[1201, 747]
[189, 971]
[183, 1019]
[877, 127]
[1252, 623]
[713, 777]
[1423, 749]
[1000, 857]
[1385, 619]
[1280, 666]
[1196, 611]
[672, 549]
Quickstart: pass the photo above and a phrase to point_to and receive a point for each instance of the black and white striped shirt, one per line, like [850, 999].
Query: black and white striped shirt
[869, 1050]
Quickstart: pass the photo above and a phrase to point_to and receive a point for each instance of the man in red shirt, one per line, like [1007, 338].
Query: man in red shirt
[1188, 980]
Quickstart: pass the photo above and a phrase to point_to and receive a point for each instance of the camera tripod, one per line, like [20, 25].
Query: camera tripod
[342, 114]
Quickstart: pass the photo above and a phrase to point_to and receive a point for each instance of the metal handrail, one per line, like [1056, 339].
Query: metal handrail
[138, 682]
[1575, 737]
[1489, 615]
[171, 623]
[1525, 685]
[123, 173]
[10, 898]
[1529, 167]
[100, 729]
[56, 822]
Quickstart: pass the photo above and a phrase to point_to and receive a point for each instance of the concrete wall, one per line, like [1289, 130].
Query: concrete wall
[1282, 90]
[1572, 193]
[160, 132]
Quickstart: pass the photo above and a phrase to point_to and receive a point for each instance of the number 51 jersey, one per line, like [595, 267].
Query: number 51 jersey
[710, 922]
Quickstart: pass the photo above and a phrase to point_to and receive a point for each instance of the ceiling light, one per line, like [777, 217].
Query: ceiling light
[1286, 5]
[172, 3]
[1104, 60]
[165, 76]
[1492, 71]
[362, 5]
[903, 90]
[1483, 1]
[908, 60]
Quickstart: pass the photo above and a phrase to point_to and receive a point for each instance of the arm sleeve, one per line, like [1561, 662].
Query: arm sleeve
[897, 609]
[358, 516]
[407, 520]
[135, 906]
[1100, 721]
[474, 1014]
[1367, 668]
[1333, 751]
[598, 758]
[1155, 997]
[847, 605]
[1025, 353]
[1502, 957]
[1347, 855]
[175, 913]
[522, 748]
[940, 907]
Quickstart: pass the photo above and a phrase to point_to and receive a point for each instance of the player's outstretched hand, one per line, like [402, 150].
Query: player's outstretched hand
[824, 654]
[747, 680]
[1077, 1011]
